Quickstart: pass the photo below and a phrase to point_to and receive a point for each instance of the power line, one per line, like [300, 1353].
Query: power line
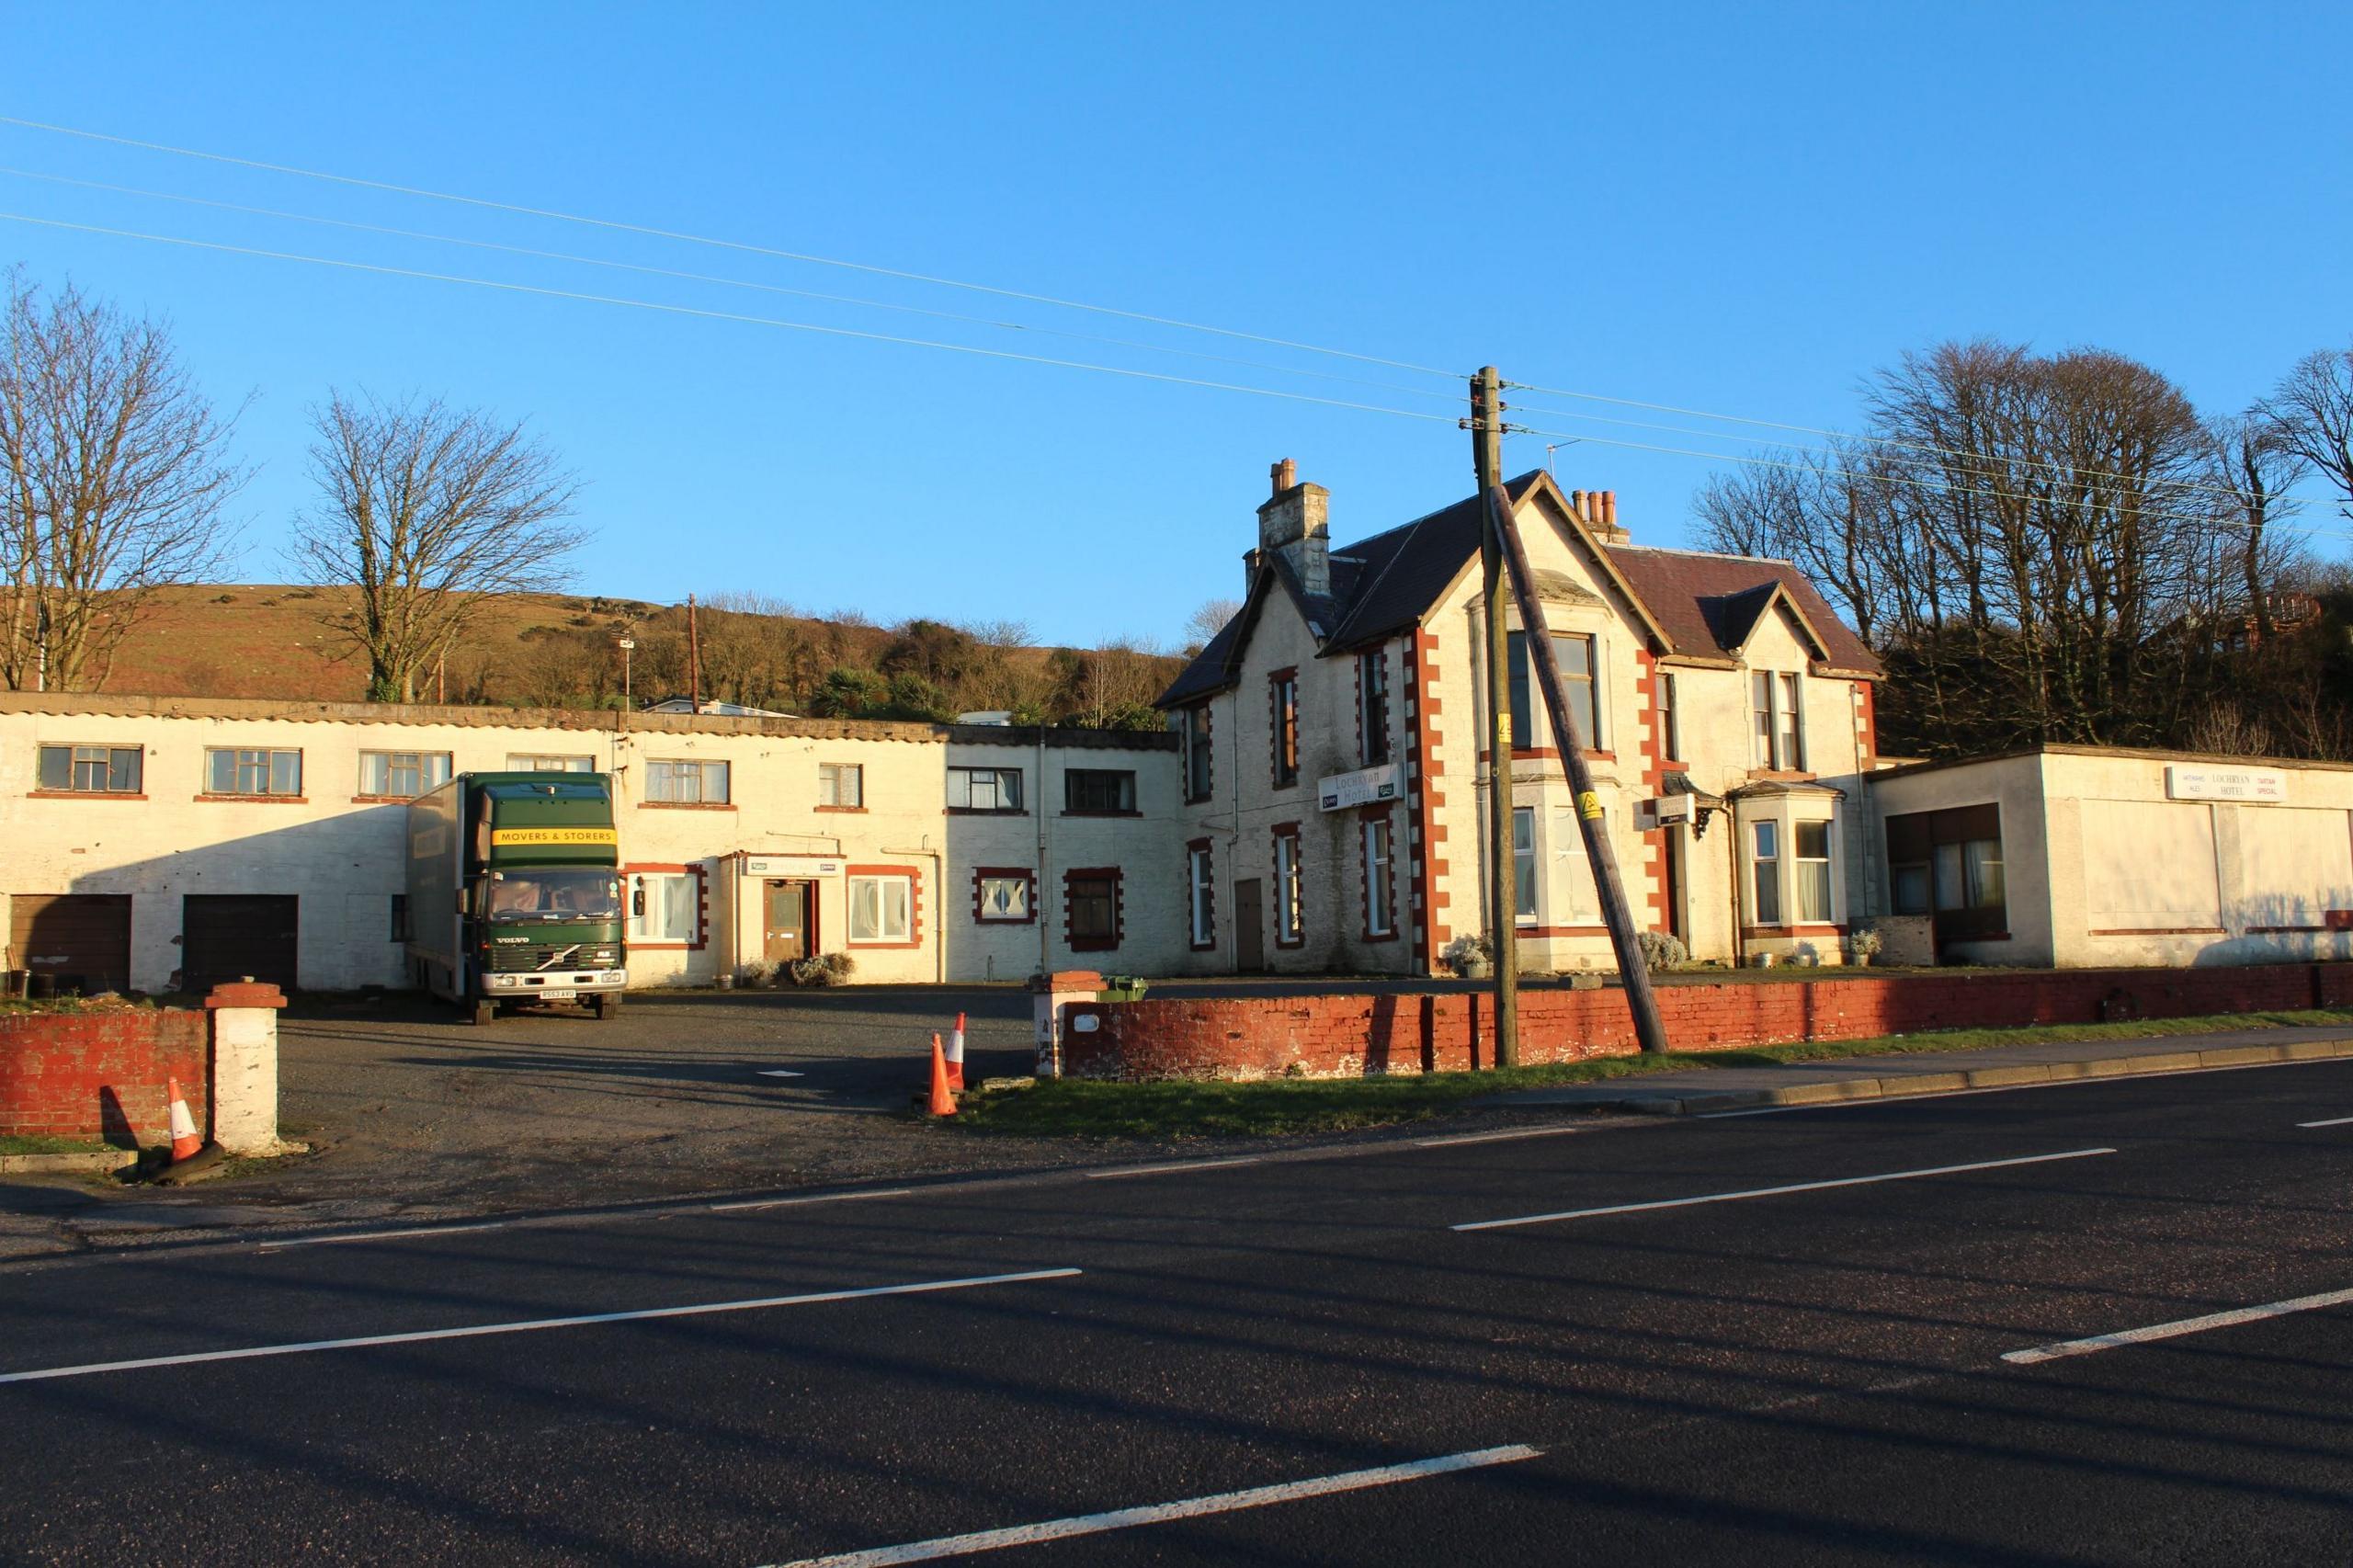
[712, 278]
[1812, 430]
[1032, 358]
[2191, 517]
[2186, 486]
[708, 240]
[724, 316]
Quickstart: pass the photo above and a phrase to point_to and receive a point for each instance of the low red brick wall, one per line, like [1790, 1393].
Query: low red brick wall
[1346, 1034]
[101, 1075]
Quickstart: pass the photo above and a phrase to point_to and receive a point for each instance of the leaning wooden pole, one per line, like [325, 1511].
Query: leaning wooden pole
[1615, 911]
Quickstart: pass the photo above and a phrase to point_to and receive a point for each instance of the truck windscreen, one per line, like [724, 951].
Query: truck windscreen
[555, 895]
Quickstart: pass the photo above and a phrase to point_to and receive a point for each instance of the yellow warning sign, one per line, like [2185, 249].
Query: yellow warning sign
[1589, 804]
[520, 837]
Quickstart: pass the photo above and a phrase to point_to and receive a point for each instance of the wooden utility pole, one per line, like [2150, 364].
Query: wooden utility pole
[1486, 425]
[1615, 911]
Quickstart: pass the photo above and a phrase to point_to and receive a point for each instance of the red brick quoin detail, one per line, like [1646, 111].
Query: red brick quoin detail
[1348, 1035]
[101, 1075]
[1427, 865]
[985, 873]
[1119, 909]
[1208, 848]
[1654, 758]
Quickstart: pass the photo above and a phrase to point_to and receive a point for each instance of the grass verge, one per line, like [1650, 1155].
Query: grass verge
[1068, 1107]
[32, 1143]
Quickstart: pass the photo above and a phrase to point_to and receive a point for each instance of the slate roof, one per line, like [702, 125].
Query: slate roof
[1707, 605]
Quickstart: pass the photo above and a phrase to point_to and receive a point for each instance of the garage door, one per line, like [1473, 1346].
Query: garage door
[81, 939]
[225, 936]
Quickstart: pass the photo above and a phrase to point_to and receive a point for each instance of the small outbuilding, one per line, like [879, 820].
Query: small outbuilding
[2096, 857]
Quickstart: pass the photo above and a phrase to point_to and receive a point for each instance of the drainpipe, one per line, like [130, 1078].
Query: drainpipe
[1232, 843]
[938, 902]
[1038, 893]
[1732, 848]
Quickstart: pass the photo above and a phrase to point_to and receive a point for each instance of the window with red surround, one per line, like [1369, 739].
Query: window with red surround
[1200, 882]
[1200, 773]
[885, 906]
[1093, 918]
[668, 905]
[1372, 707]
[1004, 895]
[1282, 713]
[1290, 911]
[1379, 873]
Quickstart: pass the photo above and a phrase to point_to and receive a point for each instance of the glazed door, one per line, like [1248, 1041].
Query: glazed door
[789, 934]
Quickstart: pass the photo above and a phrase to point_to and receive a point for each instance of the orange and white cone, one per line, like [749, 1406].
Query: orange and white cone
[956, 1055]
[184, 1141]
[943, 1101]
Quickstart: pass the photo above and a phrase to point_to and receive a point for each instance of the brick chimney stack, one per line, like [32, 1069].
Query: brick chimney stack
[1296, 525]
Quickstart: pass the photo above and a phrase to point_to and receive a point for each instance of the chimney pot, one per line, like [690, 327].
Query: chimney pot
[1610, 507]
[1285, 475]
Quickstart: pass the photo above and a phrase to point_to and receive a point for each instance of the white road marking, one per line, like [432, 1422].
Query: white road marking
[476, 1330]
[2084, 1080]
[382, 1235]
[1493, 1137]
[2176, 1328]
[1171, 1169]
[821, 1198]
[1776, 1191]
[1158, 1513]
[779, 1073]
[2332, 1121]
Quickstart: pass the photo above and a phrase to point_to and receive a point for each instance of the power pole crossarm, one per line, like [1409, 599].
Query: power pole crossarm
[1615, 912]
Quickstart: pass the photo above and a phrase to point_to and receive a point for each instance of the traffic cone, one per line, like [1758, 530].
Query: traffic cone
[184, 1141]
[943, 1103]
[956, 1055]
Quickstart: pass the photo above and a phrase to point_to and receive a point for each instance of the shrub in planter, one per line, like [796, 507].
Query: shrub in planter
[1468, 956]
[1863, 943]
[1662, 950]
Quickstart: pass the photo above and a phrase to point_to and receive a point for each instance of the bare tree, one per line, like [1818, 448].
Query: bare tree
[1209, 621]
[2255, 463]
[2311, 411]
[425, 510]
[115, 473]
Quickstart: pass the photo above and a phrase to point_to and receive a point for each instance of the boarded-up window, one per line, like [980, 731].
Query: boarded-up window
[2294, 866]
[2149, 866]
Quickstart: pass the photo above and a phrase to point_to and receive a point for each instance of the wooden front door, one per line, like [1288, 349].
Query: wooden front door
[1249, 928]
[790, 915]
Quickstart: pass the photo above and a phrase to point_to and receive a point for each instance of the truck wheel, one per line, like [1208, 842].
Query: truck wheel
[608, 1008]
[484, 1012]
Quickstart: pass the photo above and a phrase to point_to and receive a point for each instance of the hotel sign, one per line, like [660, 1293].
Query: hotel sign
[2205, 782]
[1365, 786]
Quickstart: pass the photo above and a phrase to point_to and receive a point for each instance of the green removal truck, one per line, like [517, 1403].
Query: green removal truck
[515, 891]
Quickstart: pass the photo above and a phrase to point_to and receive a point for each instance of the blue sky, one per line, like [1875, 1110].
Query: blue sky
[1733, 209]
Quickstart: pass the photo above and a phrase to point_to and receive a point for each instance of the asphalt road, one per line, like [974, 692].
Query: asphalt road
[1813, 1375]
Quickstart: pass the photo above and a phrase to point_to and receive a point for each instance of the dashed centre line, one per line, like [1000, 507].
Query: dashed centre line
[586, 1319]
[2332, 1121]
[2176, 1328]
[1776, 1191]
[1159, 1512]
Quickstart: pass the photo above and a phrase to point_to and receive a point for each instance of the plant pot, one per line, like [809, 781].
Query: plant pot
[1477, 969]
